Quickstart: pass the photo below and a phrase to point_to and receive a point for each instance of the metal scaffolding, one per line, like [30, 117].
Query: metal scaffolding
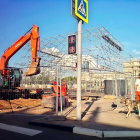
[102, 54]
[102, 61]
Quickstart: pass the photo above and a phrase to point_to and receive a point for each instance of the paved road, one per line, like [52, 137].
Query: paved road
[46, 134]
[21, 122]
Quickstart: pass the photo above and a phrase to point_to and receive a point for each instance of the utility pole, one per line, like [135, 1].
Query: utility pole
[79, 64]
[80, 12]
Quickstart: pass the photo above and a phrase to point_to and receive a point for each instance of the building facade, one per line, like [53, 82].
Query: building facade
[132, 68]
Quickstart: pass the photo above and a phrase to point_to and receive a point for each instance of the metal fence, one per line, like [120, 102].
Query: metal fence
[29, 93]
[100, 61]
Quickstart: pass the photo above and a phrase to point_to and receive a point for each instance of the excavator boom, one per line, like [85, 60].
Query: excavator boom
[35, 44]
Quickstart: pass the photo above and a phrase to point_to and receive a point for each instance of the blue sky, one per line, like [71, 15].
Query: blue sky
[120, 17]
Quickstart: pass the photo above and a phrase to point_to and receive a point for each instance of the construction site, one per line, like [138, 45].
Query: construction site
[23, 88]
[43, 81]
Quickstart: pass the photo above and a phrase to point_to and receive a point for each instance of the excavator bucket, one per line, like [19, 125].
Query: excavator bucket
[33, 69]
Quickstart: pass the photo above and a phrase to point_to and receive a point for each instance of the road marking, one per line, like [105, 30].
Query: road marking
[21, 130]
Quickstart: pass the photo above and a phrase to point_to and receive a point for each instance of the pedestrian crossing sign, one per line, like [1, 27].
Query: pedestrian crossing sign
[81, 9]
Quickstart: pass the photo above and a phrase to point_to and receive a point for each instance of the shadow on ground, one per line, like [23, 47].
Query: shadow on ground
[93, 117]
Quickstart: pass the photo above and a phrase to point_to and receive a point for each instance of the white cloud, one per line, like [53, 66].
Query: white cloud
[136, 52]
[51, 50]
[126, 43]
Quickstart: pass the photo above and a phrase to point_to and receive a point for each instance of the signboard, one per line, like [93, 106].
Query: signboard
[80, 9]
[72, 44]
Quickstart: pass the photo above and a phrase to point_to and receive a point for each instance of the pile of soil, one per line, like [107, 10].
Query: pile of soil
[18, 104]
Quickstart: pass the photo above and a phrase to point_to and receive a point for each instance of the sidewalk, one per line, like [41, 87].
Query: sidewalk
[98, 119]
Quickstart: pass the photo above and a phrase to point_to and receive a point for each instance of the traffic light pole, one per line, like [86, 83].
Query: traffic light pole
[79, 63]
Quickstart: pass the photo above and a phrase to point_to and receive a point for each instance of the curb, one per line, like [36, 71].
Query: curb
[121, 134]
[89, 132]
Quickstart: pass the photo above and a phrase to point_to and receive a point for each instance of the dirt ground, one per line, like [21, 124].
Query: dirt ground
[25, 106]
[96, 114]
[18, 105]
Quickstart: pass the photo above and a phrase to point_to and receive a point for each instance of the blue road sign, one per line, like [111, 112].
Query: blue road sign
[81, 9]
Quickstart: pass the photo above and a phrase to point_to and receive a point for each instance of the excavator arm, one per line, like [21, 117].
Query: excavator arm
[35, 44]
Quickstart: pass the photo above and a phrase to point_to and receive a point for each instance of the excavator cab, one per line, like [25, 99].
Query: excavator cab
[11, 79]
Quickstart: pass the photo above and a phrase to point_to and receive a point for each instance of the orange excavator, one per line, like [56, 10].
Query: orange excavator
[8, 73]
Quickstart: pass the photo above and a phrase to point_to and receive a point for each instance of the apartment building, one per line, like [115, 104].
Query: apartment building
[132, 67]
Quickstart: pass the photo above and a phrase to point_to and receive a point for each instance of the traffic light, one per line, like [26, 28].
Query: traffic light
[72, 44]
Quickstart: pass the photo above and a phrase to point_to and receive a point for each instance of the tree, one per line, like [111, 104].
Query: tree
[69, 79]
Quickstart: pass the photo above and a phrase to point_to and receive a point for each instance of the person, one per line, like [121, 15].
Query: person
[64, 88]
[55, 90]
[137, 88]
